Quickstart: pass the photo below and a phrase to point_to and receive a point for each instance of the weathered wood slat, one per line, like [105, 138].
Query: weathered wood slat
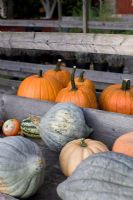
[76, 42]
[68, 23]
[107, 126]
[22, 70]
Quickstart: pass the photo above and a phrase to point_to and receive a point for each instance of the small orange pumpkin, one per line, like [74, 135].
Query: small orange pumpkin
[118, 98]
[11, 127]
[77, 150]
[81, 81]
[80, 95]
[39, 87]
[124, 144]
[62, 75]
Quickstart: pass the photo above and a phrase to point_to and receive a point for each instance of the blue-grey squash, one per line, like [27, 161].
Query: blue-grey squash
[6, 197]
[21, 167]
[103, 176]
[61, 124]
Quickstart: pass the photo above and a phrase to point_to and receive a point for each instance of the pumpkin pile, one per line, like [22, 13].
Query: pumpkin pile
[82, 95]
[93, 171]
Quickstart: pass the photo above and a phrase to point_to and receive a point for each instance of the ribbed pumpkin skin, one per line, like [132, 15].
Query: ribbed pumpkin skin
[74, 152]
[21, 167]
[42, 88]
[114, 99]
[124, 144]
[61, 124]
[6, 197]
[62, 76]
[82, 97]
[100, 177]
[88, 83]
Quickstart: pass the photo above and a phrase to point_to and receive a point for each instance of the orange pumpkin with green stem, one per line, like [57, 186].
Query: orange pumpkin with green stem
[79, 95]
[118, 98]
[62, 75]
[81, 81]
[39, 87]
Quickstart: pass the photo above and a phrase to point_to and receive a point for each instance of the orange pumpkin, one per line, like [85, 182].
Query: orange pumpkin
[124, 144]
[118, 98]
[81, 81]
[39, 87]
[79, 95]
[77, 150]
[11, 127]
[62, 75]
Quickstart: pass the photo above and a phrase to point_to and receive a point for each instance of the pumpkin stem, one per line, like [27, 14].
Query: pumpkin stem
[40, 74]
[58, 65]
[126, 84]
[82, 143]
[81, 77]
[72, 78]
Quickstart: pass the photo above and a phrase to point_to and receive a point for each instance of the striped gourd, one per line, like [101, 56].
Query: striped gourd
[29, 126]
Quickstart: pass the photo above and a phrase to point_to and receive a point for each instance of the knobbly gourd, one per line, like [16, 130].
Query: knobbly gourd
[11, 127]
[81, 81]
[30, 126]
[101, 176]
[61, 74]
[39, 87]
[74, 152]
[6, 197]
[124, 144]
[118, 98]
[21, 167]
[61, 124]
[80, 95]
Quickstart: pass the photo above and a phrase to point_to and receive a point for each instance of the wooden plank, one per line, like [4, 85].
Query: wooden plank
[72, 42]
[107, 126]
[21, 69]
[85, 15]
[68, 22]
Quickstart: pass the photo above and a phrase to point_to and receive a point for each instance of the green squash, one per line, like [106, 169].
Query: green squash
[61, 124]
[102, 176]
[29, 126]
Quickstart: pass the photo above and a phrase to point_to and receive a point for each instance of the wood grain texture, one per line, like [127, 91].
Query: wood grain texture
[22, 70]
[76, 42]
[107, 126]
[68, 22]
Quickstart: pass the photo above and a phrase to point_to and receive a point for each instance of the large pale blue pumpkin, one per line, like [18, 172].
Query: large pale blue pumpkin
[21, 166]
[6, 197]
[61, 124]
[103, 176]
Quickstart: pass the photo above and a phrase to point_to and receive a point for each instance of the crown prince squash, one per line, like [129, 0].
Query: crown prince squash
[21, 167]
[102, 176]
[61, 124]
[6, 197]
